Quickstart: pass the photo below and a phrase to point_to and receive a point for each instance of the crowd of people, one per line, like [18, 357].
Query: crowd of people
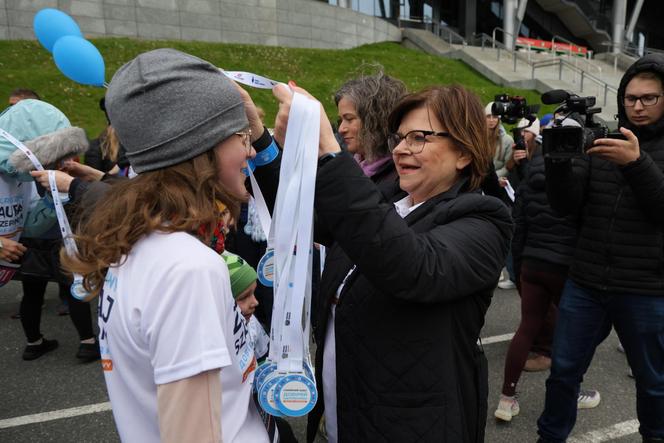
[414, 206]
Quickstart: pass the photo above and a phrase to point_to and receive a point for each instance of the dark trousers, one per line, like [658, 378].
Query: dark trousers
[539, 289]
[585, 317]
[31, 308]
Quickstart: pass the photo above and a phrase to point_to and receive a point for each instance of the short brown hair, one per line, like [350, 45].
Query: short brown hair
[462, 114]
[24, 93]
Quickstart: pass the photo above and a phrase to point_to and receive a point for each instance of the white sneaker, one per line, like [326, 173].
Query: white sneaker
[506, 284]
[588, 399]
[508, 407]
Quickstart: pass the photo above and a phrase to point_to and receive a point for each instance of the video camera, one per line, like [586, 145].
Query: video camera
[566, 142]
[510, 110]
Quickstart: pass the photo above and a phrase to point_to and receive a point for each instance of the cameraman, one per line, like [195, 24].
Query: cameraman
[523, 149]
[617, 274]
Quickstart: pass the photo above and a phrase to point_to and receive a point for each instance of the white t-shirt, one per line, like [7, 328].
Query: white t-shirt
[258, 337]
[167, 314]
[15, 198]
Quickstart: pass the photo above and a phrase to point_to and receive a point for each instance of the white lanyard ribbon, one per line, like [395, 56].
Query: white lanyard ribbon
[65, 230]
[22, 148]
[250, 79]
[261, 207]
[295, 198]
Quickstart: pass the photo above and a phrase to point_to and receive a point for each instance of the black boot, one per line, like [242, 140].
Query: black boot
[88, 352]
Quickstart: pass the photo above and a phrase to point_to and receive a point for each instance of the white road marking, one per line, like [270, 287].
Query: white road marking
[54, 415]
[609, 433]
[496, 339]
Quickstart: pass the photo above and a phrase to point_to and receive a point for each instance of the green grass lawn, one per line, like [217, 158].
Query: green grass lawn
[26, 64]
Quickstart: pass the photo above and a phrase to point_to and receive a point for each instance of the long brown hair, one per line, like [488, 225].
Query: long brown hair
[109, 144]
[462, 114]
[182, 198]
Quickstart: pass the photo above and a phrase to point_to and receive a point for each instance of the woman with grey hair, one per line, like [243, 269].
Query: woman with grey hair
[363, 104]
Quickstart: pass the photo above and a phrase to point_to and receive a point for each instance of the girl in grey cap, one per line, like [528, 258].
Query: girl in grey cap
[168, 322]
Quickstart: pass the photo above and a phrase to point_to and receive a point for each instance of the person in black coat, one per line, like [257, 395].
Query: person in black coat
[363, 106]
[407, 300]
[617, 276]
[542, 250]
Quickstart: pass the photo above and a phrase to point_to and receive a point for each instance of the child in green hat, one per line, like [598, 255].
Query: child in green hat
[243, 283]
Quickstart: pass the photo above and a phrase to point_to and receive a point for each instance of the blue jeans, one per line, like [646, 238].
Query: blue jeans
[585, 317]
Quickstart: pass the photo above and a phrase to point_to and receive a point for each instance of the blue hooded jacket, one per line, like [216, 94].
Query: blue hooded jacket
[26, 120]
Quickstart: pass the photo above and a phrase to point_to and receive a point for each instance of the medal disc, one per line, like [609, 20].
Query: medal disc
[265, 269]
[78, 291]
[266, 394]
[295, 395]
[262, 372]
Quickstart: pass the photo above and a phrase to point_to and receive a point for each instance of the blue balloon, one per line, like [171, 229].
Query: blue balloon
[50, 24]
[79, 60]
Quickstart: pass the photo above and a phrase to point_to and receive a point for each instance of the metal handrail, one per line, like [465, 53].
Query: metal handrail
[569, 53]
[493, 35]
[562, 39]
[560, 62]
[451, 34]
[498, 45]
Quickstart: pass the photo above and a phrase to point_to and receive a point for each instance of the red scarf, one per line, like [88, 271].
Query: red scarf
[219, 231]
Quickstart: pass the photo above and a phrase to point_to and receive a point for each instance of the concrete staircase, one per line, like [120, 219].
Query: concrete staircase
[529, 69]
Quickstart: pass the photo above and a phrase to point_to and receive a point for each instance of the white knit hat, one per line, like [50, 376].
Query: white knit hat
[487, 109]
[534, 128]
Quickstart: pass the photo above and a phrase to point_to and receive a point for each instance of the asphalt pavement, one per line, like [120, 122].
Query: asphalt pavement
[57, 399]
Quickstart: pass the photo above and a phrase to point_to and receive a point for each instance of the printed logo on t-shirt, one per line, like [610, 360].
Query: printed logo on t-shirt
[14, 197]
[244, 348]
[104, 310]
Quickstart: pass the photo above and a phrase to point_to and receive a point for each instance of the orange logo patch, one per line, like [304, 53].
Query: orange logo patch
[107, 365]
[252, 367]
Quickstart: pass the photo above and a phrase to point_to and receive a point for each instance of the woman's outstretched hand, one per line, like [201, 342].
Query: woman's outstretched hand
[62, 180]
[327, 143]
[255, 122]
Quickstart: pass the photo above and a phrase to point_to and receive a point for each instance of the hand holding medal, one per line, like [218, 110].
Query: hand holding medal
[285, 382]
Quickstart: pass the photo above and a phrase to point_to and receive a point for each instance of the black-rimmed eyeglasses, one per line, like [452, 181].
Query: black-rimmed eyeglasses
[415, 140]
[646, 100]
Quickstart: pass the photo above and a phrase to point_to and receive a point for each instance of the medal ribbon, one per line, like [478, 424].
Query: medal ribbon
[65, 229]
[295, 198]
[250, 79]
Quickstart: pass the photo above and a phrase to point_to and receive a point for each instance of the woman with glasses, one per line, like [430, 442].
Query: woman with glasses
[397, 356]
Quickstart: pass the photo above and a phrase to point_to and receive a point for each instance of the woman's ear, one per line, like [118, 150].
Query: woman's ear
[463, 159]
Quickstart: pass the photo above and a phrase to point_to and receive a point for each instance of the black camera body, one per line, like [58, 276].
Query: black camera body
[567, 142]
[512, 108]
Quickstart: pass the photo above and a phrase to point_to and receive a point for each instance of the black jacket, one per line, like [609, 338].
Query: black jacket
[620, 247]
[540, 233]
[407, 362]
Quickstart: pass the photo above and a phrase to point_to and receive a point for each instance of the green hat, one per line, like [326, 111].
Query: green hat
[241, 273]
